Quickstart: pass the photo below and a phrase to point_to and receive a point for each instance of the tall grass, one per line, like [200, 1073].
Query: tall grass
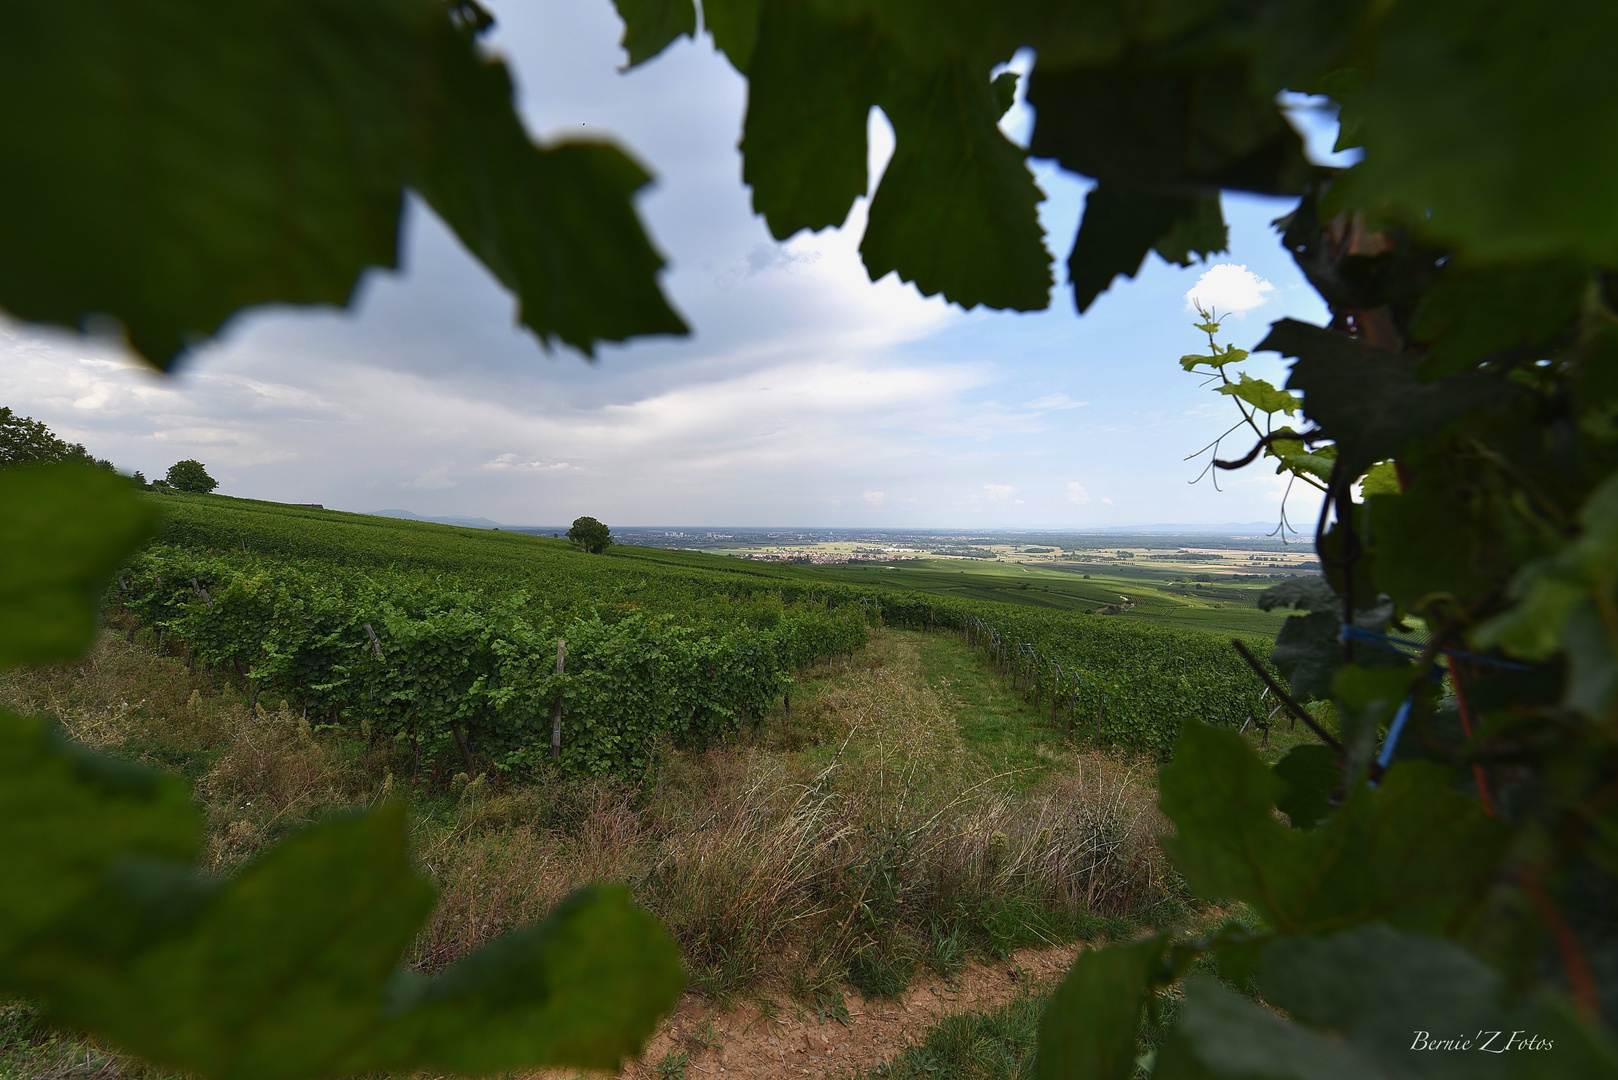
[858, 840]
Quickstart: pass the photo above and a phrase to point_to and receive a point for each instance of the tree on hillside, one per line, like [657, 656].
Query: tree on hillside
[590, 534]
[24, 440]
[190, 475]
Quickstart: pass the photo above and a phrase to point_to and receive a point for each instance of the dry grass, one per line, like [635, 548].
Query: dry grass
[879, 853]
[858, 840]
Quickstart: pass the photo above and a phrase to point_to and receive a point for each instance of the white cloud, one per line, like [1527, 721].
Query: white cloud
[1053, 403]
[1228, 288]
[1077, 494]
[874, 498]
[1002, 493]
[1107, 501]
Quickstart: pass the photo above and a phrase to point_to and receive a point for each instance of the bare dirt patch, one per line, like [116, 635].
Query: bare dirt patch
[744, 1040]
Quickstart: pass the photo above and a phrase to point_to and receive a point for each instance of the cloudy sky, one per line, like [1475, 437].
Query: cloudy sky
[806, 395]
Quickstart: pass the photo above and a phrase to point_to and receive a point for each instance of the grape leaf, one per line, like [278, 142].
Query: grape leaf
[1089, 1028]
[1310, 775]
[1373, 1001]
[1147, 121]
[1411, 851]
[170, 164]
[65, 528]
[1260, 394]
[213, 977]
[650, 25]
[585, 987]
[1222, 1034]
[1120, 227]
[1369, 400]
[289, 970]
[67, 814]
[1463, 117]
[734, 25]
[956, 209]
[811, 88]
[1474, 311]
[556, 226]
[1560, 602]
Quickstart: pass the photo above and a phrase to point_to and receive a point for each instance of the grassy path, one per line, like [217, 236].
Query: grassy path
[994, 720]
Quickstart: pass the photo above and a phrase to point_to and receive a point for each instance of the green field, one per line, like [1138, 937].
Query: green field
[1156, 592]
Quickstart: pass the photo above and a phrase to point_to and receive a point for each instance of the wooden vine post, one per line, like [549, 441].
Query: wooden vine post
[556, 713]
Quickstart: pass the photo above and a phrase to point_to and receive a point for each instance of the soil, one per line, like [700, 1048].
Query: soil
[743, 1041]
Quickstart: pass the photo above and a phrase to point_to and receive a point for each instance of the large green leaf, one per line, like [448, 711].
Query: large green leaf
[650, 25]
[1196, 121]
[66, 815]
[585, 987]
[275, 973]
[289, 970]
[811, 89]
[64, 530]
[1463, 110]
[1374, 1002]
[169, 163]
[1562, 604]
[1412, 851]
[956, 210]
[1089, 1028]
[1120, 227]
[555, 226]
[1370, 400]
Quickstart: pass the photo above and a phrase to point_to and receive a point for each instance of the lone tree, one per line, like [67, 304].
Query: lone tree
[191, 475]
[590, 534]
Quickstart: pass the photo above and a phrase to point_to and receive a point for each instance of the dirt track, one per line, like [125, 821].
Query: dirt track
[743, 1042]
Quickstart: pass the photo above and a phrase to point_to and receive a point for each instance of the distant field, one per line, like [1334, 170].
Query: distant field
[1148, 592]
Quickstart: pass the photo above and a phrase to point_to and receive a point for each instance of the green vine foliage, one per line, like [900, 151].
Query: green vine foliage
[1446, 867]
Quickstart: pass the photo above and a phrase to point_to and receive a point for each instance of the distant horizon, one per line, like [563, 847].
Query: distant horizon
[1224, 528]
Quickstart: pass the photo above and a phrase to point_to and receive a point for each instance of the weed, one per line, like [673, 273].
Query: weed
[672, 1067]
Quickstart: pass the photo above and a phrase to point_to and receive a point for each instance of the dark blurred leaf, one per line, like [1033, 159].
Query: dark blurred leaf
[1147, 122]
[1222, 1034]
[66, 815]
[1089, 1027]
[1197, 236]
[555, 226]
[586, 987]
[649, 25]
[1310, 775]
[1373, 1002]
[1303, 593]
[956, 211]
[168, 165]
[1370, 400]
[1005, 92]
[1562, 602]
[64, 530]
[734, 25]
[1120, 228]
[1465, 120]
[1412, 851]
[811, 89]
[1474, 311]
[276, 973]
[1308, 652]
